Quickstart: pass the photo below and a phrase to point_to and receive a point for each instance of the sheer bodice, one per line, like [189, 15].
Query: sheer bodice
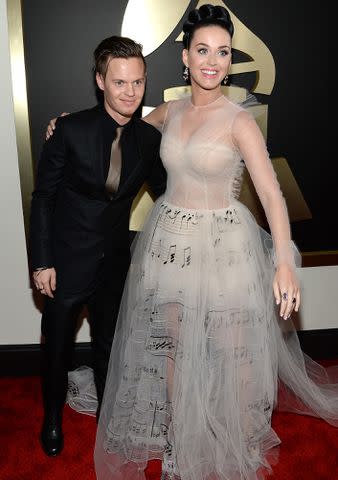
[203, 149]
[204, 166]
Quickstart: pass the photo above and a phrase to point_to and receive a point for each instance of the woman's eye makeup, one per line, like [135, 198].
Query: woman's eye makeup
[221, 53]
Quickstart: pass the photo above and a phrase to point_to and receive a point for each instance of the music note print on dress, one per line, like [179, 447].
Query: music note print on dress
[164, 345]
[186, 257]
[171, 255]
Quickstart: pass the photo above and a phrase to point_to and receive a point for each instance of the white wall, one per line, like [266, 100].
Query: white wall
[19, 317]
[319, 289]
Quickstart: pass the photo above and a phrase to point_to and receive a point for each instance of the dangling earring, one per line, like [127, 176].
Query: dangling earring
[185, 74]
[225, 79]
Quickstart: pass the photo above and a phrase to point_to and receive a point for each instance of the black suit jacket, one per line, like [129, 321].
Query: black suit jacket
[75, 226]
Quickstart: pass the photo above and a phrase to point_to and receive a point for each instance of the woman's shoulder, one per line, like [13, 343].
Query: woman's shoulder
[158, 116]
[232, 105]
[241, 110]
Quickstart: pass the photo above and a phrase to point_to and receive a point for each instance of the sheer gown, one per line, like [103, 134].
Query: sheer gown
[200, 357]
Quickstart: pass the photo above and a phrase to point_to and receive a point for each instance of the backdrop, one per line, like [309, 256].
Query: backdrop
[278, 41]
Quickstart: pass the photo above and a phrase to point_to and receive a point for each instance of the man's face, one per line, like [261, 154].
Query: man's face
[123, 87]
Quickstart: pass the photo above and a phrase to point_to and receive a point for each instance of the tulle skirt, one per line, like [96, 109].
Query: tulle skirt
[200, 357]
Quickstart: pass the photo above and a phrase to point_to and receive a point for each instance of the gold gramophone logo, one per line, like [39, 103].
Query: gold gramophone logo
[151, 22]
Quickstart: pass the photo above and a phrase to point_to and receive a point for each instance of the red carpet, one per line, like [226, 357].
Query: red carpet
[309, 449]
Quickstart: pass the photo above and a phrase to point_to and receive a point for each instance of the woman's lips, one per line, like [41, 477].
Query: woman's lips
[209, 73]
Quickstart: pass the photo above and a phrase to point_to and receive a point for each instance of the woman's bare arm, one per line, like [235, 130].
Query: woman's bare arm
[157, 116]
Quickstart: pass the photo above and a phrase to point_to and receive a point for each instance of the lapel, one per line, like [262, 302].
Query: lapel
[133, 154]
[132, 159]
[95, 144]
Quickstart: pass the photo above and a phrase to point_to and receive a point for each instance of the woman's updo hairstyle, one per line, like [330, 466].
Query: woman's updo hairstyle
[204, 16]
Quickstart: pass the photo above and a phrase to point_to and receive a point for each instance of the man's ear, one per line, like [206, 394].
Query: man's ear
[185, 57]
[99, 81]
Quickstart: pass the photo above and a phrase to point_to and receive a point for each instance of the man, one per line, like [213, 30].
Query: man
[79, 242]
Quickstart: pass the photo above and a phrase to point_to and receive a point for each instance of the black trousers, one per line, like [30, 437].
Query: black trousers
[58, 326]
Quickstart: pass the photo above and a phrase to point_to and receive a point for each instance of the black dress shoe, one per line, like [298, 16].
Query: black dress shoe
[51, 438]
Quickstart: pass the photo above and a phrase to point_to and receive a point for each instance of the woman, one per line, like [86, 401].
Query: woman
[200, 346]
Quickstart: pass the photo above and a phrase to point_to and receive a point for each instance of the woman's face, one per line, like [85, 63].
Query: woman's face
[208, 57]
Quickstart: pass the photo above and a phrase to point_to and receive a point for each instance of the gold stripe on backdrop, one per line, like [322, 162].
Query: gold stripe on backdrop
[23, 140]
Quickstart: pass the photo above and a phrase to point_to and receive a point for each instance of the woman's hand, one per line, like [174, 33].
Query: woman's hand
[51, 125]
[286, 290]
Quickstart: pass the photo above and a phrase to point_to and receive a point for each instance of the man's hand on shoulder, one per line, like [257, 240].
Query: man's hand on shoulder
[52, 124]
[45, 280]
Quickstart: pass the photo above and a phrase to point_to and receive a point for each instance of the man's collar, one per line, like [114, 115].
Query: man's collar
[113, 121]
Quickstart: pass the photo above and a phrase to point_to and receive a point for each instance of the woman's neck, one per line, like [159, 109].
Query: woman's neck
[200, 97]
